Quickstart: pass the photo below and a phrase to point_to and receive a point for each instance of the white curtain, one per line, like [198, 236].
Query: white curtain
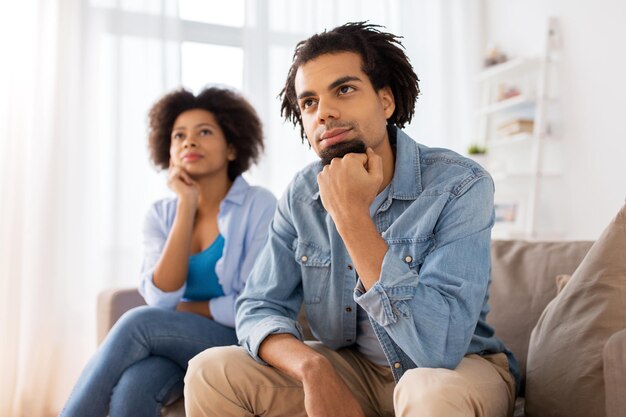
[73, 99]
[76, 82]
[47, 202]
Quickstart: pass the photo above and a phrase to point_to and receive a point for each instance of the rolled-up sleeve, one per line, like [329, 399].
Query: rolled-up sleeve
[268, 326]
[155, 233]
[431, 311]
[272, 297]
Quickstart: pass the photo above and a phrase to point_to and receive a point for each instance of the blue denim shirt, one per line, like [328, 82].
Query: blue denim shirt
[242, 220]
[429, 306]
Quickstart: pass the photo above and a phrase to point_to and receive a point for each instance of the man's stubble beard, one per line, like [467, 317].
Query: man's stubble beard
[341, 149]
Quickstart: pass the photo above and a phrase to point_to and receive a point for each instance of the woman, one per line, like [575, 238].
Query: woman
[199, 250]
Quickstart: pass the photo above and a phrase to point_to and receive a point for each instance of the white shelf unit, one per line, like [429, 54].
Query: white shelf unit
[519, 89]
[506, 104]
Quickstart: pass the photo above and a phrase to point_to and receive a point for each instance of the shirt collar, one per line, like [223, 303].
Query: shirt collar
[237, 192]
[406, 183]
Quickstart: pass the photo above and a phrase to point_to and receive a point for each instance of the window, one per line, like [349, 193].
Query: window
[215, 12]
[148, 48]
[203, 64]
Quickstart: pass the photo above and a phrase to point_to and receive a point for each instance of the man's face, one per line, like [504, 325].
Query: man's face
[340, 107]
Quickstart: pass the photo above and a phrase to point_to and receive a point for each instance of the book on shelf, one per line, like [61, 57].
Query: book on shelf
[515, 127]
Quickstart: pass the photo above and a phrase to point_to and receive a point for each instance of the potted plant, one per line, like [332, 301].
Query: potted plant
[478, 153]
[476, 149]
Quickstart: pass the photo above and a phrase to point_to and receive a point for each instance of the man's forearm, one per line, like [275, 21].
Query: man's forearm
[290, 355]
[325, 393]
[365, 246]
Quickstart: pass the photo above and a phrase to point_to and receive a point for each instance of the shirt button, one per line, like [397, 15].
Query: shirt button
[350, 267]
[349, 309]
[408, 259]
[304, 258]
[396, 365]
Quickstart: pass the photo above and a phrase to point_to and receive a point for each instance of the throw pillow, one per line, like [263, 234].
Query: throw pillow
[564, 374]
[523, 284]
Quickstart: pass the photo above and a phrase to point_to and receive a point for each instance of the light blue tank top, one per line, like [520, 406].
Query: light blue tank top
[202, 282]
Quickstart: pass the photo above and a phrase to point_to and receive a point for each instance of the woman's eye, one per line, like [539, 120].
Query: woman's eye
[205, 132]
[345, 89]
[178, 136]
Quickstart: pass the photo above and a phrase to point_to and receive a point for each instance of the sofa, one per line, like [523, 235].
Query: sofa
[524, 281]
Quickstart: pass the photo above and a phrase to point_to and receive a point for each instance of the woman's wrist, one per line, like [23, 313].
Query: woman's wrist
[187, 205]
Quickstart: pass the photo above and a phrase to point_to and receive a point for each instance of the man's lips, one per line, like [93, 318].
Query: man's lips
[333, 136]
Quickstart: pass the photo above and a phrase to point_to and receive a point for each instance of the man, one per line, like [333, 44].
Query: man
[386, 242]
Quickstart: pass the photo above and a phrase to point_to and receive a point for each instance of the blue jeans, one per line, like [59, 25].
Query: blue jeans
[141, 364]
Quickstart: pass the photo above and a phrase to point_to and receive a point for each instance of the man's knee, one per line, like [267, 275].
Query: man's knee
[209, 381]
[212, 366]
[430, 390]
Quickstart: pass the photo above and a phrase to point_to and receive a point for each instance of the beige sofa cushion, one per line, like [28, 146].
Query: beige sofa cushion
[614, 361]
[561, 282]
[523, 282]
[564, 374]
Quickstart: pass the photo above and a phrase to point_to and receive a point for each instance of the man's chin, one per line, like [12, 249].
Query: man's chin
[341, 149]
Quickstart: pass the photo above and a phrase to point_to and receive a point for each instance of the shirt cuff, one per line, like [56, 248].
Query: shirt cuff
[223, 310]
[396, 285]
[156, 297]
[269, 326]
[376, 303]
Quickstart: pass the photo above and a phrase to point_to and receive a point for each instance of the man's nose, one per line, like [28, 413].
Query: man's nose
[326, 110]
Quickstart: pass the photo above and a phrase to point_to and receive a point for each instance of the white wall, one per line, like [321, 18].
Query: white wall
[593, 98]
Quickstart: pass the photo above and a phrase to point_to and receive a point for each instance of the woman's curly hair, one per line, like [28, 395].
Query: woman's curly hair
[384, 62]
[237, 118]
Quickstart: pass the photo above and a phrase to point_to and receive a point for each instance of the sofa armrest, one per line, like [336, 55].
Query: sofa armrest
[112, 303]
[614, 357]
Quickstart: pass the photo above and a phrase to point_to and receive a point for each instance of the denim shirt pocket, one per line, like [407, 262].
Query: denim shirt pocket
[315, 266]
[412, 251]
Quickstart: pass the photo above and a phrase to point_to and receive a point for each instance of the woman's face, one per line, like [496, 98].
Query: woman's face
[198, 144]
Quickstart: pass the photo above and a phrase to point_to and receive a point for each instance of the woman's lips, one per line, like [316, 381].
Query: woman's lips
[192, 157]
[333, 137]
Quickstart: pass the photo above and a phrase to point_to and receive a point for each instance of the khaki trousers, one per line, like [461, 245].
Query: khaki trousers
[226, 381]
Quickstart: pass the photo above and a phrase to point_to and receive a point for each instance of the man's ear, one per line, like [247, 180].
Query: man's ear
[387, 100]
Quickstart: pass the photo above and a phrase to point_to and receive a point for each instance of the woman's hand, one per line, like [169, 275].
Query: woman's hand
[197, 307]
[181, 183]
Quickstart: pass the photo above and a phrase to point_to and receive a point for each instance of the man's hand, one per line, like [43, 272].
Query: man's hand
[197, 307]
[325, 394]
[350, 184]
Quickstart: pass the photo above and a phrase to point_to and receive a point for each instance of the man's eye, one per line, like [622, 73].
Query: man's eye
[308, 103]
[345, 89]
